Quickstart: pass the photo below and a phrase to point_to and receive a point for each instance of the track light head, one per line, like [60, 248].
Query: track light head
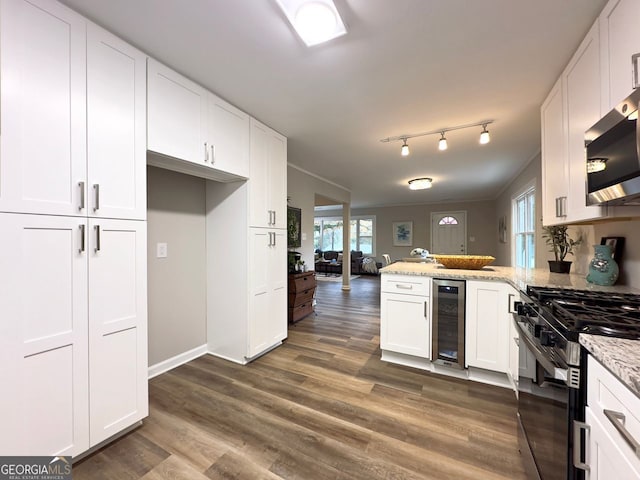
[442, 143]
[404, 151]
[484, 136]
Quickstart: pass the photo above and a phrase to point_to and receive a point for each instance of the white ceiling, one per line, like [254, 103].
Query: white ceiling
[405, 66]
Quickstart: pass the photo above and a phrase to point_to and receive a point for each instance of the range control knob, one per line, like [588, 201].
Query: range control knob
[547, 338]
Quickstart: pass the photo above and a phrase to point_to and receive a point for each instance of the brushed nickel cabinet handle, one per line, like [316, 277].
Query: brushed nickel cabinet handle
[404, 287]
[509, 309]
[97, 228]
[81, 185]
[274, 217]
[96, 188]
[425, 309]
[618, 420]
[577, 451]
[82, 235]
[213, 154]
[634, 66]
[206, 153]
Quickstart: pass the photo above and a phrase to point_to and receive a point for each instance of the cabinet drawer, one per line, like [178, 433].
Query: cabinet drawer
[301, 283]
[301, 311]
[410, 285]
[606, 393]
[298, 298]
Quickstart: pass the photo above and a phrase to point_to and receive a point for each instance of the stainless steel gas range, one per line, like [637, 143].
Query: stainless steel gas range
[551, 404]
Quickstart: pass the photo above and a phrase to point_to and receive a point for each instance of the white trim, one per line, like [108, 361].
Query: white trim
[173, 362]
[300, 169]
[525, 190]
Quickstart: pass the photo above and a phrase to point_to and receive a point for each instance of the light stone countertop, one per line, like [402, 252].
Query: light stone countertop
[517, 277]
[621, 357]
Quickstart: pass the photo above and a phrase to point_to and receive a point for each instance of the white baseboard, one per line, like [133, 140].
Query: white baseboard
[173, 362]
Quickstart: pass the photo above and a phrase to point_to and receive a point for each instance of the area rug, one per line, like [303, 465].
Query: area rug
[323, 278]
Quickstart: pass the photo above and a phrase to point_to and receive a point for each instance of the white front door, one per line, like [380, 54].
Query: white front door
[449, 233]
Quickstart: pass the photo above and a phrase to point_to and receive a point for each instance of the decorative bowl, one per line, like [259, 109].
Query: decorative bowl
[464, 262]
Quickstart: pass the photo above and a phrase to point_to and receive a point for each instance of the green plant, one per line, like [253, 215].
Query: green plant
[558, 239]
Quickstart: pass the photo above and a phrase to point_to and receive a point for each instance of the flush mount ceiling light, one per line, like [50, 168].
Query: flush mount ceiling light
[442, 143]
[420, 183]
[404, 151]
[315, 21]
[596, 164]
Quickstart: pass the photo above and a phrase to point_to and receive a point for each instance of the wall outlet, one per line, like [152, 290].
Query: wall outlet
[161, 250]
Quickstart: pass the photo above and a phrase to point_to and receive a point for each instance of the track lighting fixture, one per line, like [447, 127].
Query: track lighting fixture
[442, 143]
[484, 136]
[404, 151]
[420, 183]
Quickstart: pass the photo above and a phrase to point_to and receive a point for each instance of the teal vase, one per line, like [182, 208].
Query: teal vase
[603, 269]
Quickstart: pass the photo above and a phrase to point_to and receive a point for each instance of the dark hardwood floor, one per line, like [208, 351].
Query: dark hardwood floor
[322, 406]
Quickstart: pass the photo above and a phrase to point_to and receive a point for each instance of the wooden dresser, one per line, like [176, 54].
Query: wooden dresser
[302, 287]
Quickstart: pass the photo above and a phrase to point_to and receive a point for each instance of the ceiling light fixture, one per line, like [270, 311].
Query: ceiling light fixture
[596, 164]
[442, 143]
[484, 135]
[404, 151]
[315, 21]
[420, 183]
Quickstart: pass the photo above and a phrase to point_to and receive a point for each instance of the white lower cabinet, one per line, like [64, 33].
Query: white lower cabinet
[405, 325]
[514, 355]
[488, 318]
[613, 424]
[72, 331]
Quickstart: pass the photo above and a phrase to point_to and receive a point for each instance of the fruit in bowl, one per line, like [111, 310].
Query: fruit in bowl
[464, 262]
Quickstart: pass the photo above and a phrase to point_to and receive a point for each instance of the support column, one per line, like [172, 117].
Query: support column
[346, 246]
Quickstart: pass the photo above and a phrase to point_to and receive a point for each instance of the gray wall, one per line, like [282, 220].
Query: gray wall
[301, 190]
[480, 225]
[176, 284]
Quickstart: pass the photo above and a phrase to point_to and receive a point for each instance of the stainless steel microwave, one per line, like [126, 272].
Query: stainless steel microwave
[613, 158]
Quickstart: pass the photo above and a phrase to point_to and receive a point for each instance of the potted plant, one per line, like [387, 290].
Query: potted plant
[561, 244]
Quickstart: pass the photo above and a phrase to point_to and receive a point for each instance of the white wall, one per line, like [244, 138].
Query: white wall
[176, 284]
[630, 265]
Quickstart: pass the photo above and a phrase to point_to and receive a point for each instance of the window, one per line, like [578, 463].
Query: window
[448, 221]
[524, 226]
[327, 234]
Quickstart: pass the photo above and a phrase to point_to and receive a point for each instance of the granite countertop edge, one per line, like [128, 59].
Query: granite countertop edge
[620, 356]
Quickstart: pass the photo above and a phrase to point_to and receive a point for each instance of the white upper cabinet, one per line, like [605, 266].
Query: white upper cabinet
[582, 94]
[228, 137]
[620, 41]
[116, 127]
[177, 113]
[268, 177]
[554, 164]
[43, 96]
[204, 135]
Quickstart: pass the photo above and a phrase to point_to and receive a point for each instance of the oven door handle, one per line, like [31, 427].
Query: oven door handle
[556, 372]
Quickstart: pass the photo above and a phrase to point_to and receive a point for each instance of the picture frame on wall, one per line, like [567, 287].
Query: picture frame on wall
[402, 234]
[294, 227]
[618, 246]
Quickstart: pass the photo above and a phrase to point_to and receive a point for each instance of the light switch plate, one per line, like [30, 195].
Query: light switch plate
[304, 237]
[161, 250]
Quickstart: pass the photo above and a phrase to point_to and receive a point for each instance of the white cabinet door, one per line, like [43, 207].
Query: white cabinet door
[514, 355]
[604, 457]
[228, 137]
[554, 157]
[267, 290]
[268, 178]
[116, 127]
[620, 38]
[487, 325]
[404, 324]
[43, 97]
[582, 81]
[117, 325]
[43, 335]
[177, 113]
